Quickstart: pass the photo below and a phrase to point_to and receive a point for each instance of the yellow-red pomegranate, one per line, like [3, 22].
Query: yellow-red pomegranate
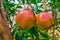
[25, 19]
[44, 20]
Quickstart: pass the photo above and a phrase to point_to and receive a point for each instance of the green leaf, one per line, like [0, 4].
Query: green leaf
[10, 21]
[59, 9]
[33, 1]
[23, 1]
[6, 0]
[50, 4]
[18, 6]
[31, 33]
[36, 10]
[14, 30]
[45, 36]
[35, 33]
[23, 38]
[17, 35]
[27, 33]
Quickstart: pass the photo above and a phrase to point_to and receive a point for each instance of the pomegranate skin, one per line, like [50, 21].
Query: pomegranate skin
[44, 20]
[25, 19]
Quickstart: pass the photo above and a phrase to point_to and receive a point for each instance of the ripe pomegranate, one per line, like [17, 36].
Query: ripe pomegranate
[25, 19]
[44, 20]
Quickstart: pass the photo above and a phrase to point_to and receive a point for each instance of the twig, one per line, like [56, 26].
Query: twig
[44, 5]
[31, 7]
[6, 26]
[55, 21]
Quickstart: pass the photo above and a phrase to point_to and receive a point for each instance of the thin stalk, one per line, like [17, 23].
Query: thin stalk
[44, 5]
[54, 14]
[31, 7]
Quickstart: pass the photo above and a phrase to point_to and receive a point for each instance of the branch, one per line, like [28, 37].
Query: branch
[4, 26]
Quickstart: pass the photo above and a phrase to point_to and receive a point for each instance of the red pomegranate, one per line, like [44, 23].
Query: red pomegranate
[25, 19]
[44, 20]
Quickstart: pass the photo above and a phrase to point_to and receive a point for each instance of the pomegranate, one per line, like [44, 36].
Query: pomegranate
[25, 19]
[44, 20]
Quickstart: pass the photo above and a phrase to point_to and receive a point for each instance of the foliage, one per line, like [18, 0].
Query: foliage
[11, 7]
